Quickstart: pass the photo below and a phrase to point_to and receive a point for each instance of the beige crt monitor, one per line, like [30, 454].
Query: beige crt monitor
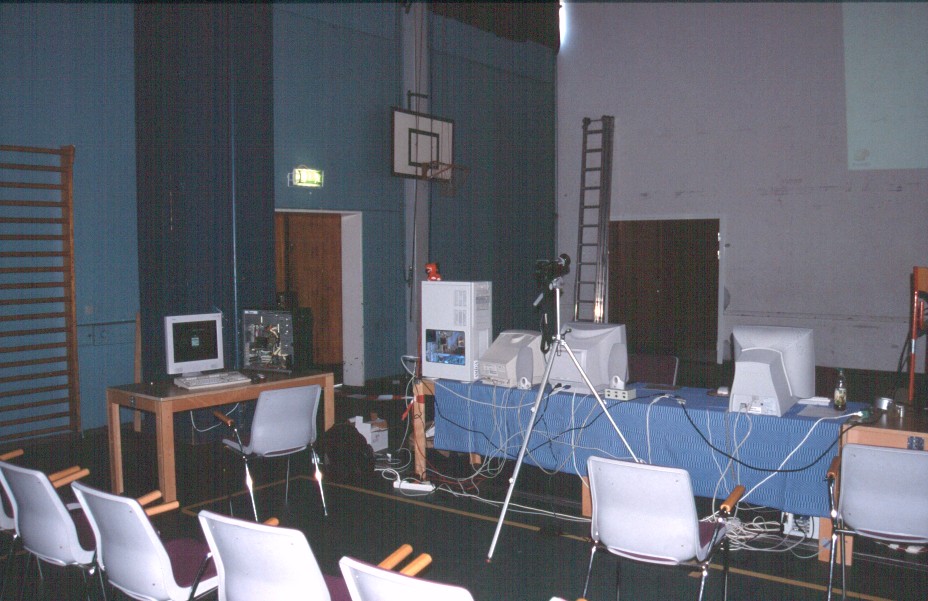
[514, 360]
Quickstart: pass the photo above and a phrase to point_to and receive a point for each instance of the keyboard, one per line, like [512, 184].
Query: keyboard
[214, 380]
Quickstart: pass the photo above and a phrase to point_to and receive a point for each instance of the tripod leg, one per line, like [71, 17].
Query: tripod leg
[526, 436]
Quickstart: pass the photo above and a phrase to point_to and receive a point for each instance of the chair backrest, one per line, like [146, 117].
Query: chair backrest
[257, 561]
[41, 518]
[884, 492]
[653, 369]
[6, 511]
[285, 419]
[129, 550]
[643, 512]
[367, 582]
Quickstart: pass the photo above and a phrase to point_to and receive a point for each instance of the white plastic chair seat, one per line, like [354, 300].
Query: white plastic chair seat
[648, 513]
[132, 555]
[367, 582]
[258, 561]
[248, 449]
[284, 424]
[52, 531]
[873, 480]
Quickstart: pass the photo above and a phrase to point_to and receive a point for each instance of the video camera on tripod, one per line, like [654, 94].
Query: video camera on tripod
[546, 271]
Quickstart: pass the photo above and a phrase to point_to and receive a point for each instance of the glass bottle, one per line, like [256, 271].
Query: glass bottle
[840, 398]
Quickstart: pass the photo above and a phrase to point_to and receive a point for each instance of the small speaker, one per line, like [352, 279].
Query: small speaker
[525, 368]
[618, 366]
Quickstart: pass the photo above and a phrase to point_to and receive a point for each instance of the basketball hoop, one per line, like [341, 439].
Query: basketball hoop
[448, 176]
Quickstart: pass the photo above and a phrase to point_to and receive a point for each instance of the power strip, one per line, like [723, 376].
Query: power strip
[801, 526]
[413, 486]
[620, 394]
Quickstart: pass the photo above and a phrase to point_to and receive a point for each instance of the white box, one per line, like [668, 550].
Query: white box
[374, 432]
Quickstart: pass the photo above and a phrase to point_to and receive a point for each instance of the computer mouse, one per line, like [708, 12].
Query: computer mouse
[722, 391]
[257, 378]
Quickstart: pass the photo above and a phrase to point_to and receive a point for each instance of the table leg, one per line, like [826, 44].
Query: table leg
[328, 402]
[115, 441]
[164, 434]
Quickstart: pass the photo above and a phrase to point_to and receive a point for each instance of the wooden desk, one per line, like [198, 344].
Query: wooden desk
[163, 399]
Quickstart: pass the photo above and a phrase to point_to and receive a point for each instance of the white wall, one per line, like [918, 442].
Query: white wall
[738, 111]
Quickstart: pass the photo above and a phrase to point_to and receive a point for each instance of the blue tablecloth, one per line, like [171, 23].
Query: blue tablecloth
[490, 421]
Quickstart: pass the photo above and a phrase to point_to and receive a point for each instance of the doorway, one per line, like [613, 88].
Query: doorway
[317, 258]
[664, 286]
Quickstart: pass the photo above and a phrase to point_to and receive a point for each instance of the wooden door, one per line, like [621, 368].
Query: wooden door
[308, 259]
[663, 285]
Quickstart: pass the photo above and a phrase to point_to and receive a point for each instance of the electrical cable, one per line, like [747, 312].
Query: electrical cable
[775, 470]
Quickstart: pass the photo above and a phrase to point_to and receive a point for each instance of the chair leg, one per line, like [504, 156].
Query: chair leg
[831, 563]
[702, 579]
[843, 569]
[618, 579]
[726, 547]
[318, 475]
[250, 485]
[287, 484]
[589, 571]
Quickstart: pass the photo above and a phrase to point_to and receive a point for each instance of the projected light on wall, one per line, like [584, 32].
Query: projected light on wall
[886, 81]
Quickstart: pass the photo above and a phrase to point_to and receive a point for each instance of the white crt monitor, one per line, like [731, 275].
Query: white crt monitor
[193, 343]
[457, 321]
[774, 368]
[601, 350]
[514, 360]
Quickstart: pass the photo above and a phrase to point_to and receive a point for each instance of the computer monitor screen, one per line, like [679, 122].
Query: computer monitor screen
[193, 343]
[774, 368]
[601, 350]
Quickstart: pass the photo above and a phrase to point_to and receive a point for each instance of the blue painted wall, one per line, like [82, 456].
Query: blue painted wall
[67, 77]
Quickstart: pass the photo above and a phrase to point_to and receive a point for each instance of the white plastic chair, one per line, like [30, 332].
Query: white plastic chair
[367, 582]
[133, 557]
[284, 424]
[257, 561]
[881, 494]
[647, 513]
[45, 527]
[7, 523]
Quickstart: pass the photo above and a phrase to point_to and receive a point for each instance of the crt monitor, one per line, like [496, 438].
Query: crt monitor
[193, 343]
[774, 368]
[601, 350]
[514, 360]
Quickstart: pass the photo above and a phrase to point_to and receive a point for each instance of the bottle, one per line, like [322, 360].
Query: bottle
[840, 398]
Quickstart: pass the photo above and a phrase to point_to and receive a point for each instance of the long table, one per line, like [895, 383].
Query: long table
[490, 421]
[164, 399]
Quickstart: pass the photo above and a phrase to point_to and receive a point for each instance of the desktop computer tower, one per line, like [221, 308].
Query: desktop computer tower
[302, 339]
[457, 322]
[267, 340]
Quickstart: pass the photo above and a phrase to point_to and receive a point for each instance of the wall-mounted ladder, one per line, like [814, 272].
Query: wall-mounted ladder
[591, 264]
[39, 386]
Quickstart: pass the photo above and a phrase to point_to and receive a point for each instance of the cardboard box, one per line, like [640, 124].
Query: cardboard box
[374, 431]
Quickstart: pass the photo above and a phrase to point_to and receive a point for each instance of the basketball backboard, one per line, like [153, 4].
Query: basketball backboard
[420, 141]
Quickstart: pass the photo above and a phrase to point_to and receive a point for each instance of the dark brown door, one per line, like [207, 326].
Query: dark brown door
[308, 258]
[663, 285]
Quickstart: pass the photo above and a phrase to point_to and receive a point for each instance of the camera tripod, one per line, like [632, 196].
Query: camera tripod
[558, 344]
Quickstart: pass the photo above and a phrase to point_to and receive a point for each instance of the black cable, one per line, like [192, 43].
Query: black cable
[841, 433]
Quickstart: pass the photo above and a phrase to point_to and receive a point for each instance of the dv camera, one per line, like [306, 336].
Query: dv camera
[547, 271]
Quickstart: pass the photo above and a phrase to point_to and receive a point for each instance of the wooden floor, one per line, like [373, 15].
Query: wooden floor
[537, 556]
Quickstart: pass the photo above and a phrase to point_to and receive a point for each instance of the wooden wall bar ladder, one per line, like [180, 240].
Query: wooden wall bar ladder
[39, 384]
